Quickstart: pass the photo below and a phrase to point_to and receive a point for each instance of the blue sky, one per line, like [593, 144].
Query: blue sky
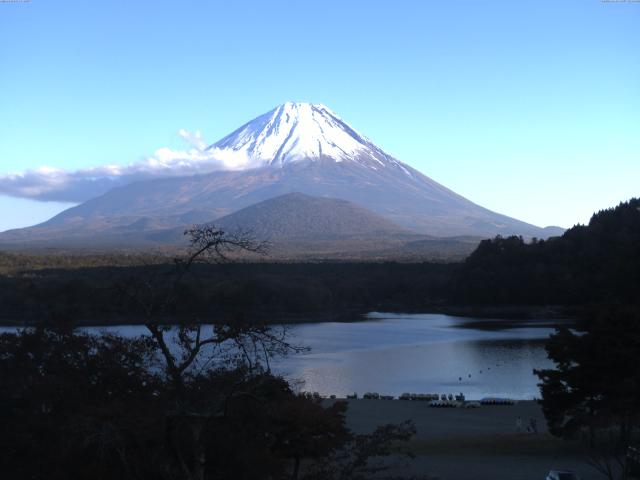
[529, 108]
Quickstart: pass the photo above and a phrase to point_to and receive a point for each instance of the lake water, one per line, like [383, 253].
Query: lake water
[421, 353]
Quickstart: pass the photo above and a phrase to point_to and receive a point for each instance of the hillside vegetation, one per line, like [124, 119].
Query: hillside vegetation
[594, 263]
[274, 292]
[299, 215]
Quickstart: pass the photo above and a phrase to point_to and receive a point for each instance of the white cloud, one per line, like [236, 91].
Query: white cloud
[194, 139]
[53, 184]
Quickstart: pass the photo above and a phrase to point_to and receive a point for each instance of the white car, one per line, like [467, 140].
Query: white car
[562, 475]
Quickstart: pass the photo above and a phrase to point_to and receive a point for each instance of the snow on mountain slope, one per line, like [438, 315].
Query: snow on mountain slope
[297, 147]
[295, 132]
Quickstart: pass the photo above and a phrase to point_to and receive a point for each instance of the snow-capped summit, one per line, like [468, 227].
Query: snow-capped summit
[297, 148]
[294, 132]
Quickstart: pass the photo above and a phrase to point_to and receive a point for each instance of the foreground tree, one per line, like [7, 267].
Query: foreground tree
[73, 404]
[192, 400]
[365, 456]
[594, 391]
[192, 345]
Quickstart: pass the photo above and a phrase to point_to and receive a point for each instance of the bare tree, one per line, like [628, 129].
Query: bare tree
[612, 466]
[157, 298]
[608, 454]
[193, 343]
[366, 455]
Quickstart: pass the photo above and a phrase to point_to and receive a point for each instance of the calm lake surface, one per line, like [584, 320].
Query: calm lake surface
[421, 353]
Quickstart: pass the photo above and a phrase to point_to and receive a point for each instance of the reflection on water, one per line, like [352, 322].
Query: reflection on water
[396, 353]
[421, 353]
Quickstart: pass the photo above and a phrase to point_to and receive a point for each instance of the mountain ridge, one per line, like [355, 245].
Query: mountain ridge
[302, 148]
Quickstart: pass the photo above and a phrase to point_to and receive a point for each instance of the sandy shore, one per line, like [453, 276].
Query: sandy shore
[480, 443]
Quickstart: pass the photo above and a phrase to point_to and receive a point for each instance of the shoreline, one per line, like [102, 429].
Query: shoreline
[484, 317]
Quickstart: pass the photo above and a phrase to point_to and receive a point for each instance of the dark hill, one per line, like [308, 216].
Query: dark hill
[299, 215]
[305, 227]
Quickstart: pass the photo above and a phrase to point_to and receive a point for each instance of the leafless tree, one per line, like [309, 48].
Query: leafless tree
[157, 298]
[366, 455]
[608, 455]
[194, 344]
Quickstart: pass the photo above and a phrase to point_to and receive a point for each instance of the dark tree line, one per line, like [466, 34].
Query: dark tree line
[273, 291]
[596, 263]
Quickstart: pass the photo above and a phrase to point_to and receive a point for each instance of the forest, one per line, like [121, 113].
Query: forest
[275, 291]
[591, 264]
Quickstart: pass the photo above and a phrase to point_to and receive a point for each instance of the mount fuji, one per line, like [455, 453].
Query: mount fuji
[296, 147]
[297, 132]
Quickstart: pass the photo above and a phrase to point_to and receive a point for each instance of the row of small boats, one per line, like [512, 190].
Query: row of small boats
[376, 396]
[435, 400]
[428, 397]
